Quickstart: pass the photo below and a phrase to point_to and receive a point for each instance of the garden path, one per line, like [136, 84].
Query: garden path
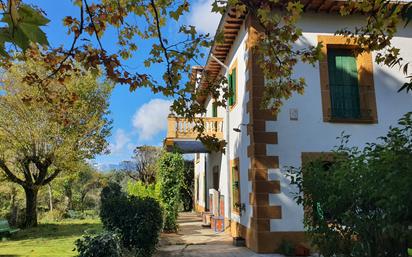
[194, 241]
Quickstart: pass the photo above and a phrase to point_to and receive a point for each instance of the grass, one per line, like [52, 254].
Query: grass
[54, 239]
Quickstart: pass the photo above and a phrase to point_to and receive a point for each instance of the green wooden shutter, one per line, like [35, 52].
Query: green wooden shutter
[343, 84]
[234, 85]
[235, 189]
[214, 109]
[230, 90]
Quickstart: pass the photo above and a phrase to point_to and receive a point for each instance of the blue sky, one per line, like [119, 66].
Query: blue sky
[139, 117]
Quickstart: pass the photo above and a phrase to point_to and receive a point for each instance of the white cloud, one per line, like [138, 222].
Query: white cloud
[121, 140]
[203, 18]
[151, 118]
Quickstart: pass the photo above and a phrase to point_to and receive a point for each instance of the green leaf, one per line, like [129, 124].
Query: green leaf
[26, 30]
[34, 33]
[32, 16]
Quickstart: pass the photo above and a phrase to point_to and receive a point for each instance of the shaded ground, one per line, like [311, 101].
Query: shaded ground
[194, 241]
[48, 240]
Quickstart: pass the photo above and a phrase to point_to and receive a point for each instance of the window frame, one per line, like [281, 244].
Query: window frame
[366, 83]
[234, 164]
[235, 86]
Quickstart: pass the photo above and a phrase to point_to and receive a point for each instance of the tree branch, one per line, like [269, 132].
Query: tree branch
[10, 174]
[159, 34]
[73, 45]
[52, 176]
[94, 26]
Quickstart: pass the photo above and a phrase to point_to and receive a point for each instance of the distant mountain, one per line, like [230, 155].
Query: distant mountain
[105, 167]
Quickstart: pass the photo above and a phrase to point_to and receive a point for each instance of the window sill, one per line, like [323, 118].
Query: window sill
[351, 121]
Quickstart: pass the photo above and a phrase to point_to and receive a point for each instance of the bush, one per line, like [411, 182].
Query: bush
[105, 244]
[188, 187]
[359, 204]
[142, 190]
[112, 202]
[170, 180]
[137, 220]
[54, 215]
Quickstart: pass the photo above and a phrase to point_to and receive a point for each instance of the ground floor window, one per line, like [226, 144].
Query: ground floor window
[235, 178]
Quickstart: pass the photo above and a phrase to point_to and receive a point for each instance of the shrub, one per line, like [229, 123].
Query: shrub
[170, 180]
[359, 204]
[137, 220]
[105, 244]
[186, 190]
[142, 190]
[54, 215]
[113, 200]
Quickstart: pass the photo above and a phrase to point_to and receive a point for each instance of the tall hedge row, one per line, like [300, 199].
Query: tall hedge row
[170, 179]
[137, 220]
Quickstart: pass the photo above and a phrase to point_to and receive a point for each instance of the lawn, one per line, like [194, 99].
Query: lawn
[48, 240]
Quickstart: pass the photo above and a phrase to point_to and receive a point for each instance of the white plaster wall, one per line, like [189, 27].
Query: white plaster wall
[238, 142]
[199, 173]
[310, 134]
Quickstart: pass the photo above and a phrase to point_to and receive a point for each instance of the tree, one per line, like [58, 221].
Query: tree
[274, 46]
[45, 129]
[143, 164]
[359, 202]
[78, 184]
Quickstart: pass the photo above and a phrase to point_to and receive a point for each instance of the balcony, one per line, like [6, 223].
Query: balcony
[181, 133]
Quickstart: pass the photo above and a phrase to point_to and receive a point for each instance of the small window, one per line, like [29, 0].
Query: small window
[214, 109]
[232, 87]
[236, 203]
[343, 83]
[216, 177]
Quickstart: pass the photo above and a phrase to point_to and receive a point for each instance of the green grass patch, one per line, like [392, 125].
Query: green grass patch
[49, 240]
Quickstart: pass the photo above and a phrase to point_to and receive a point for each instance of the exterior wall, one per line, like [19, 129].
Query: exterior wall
[267, 145]
[200, 200]
[238, 142]
[310, 133]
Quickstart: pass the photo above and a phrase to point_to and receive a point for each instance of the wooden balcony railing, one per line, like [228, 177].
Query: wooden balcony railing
[181, 128]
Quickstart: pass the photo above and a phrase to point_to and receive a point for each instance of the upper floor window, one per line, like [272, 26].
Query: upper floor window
[232, 87]
[214, 109]
[347, 85]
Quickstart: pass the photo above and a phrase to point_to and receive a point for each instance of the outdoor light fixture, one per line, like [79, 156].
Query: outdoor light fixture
[238, 128]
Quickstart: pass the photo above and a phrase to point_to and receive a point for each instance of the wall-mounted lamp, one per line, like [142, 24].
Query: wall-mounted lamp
[237, 129]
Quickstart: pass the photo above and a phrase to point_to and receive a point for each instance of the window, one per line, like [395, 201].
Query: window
[343, 84]
[232, 87]
[197, 189]
[346, 80]
[216, 177]
[326, 161]
[214, 109]
[236, 203]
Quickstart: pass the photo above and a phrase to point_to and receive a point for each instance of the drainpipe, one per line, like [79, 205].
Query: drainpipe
[227, 127]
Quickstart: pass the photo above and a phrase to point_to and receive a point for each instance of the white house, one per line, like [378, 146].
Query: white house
[344, 93]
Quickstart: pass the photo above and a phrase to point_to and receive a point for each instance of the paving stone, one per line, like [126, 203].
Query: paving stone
[193, 240]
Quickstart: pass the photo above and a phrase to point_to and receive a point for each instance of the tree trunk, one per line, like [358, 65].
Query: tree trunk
[13, 207]
[50, 198]
[31, 207]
